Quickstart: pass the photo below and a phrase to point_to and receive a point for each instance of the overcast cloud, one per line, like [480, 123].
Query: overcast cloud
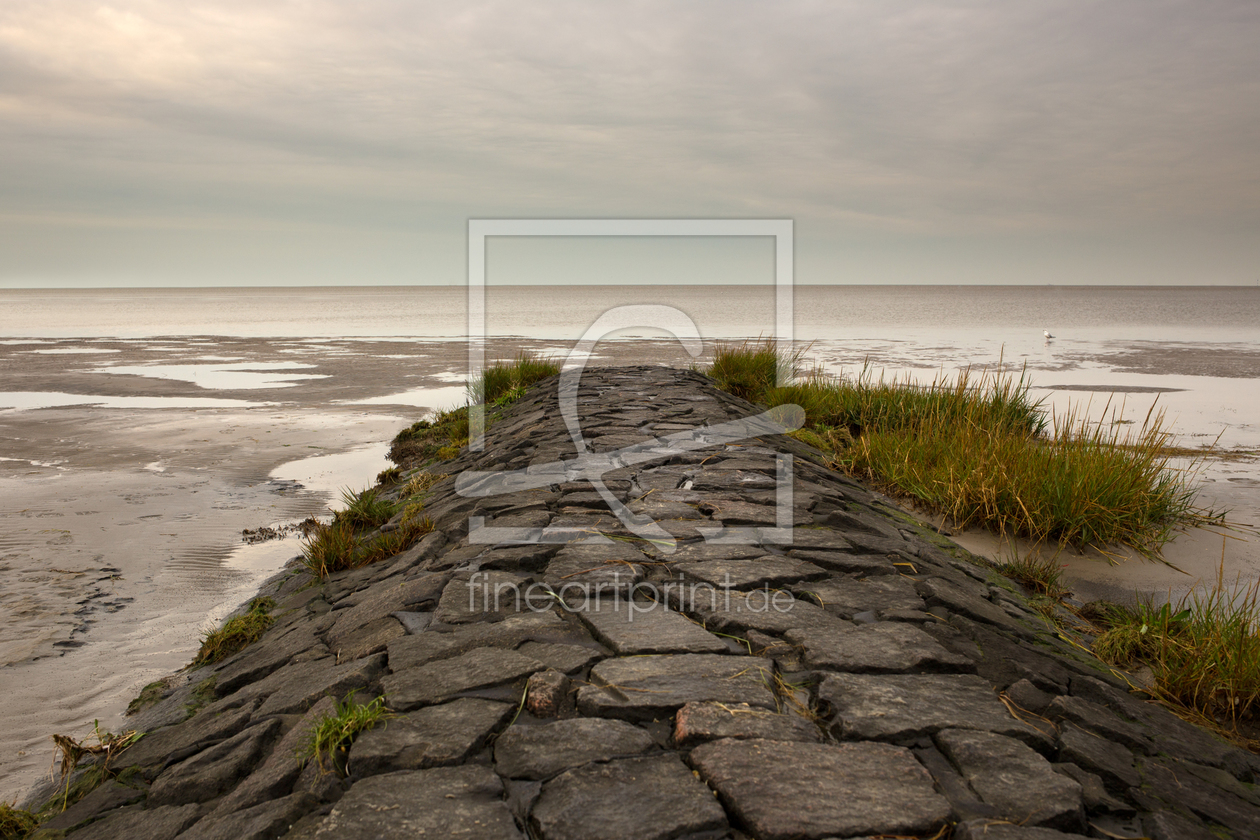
[160, 143]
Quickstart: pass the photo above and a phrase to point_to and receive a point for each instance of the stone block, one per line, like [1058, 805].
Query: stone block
[543, 751]
[653, 687]
[631, 628]
[882, 648]
[426, 685]
[697, 723]
[214, 771]
[434, 736]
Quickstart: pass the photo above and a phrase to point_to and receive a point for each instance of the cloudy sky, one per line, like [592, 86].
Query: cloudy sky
[226, 142]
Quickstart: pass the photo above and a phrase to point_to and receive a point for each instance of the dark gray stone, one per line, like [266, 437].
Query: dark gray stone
[1112, 762]
[631, 628]
[584, 571]
[275, 776]
[1018, 782]
[369, 639]
[413, 651]
[1028, 697]
[568, 659]
[648, 687]
[1100, 720]
[847, 562]
[107, 797]
[1097, 800]
[1169, 825]
[749, 574]
[200, 731]
[426, 685]
[163, 823]
[696, 723]
[478, 596]
[264, 821]
[881, 648]
[296, 688]
[548, 694]
[939, 592]
[845, 596]
[434, 736]
[729, 611]
[783, 790]
[704, 552]
[614, 801]
[262, 658]
[1000, 830]
[382, 600]
[1165, 779]
[902, 708]
[540, 752]
[464, 802]
[212, 772]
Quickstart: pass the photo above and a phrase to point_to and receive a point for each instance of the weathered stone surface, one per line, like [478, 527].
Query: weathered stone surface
[198, 732]
[540, 752]
[1112, 762]
[477, 596]
[368, 639]
[1018, 782]
[901, 708]
[428, 684]
[648, 687]
[430, 737]
[412, 651]
[1000, 830]
[263, 821]
[847, 562]
[936, 591]
[107, 797]
[752, 573]
[275, 776]
[729, 611]
[1099, 720]
[1167, 780]
[382, 600]
[297, 687]
[1169, 825]
[568, 659]
[613, 801]
[781, 790]
[696, 723]
[1097, 800]
[259, 660]
[162, 823]
[882, 648]
[631, 628]
[548, 694]
[212, 772]
[464, 802]
[584, 571]
[844, 596]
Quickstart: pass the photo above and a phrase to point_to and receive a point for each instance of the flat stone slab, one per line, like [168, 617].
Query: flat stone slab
[412, 651]
[430, 737]
[1015, 780]
[847, 562]
[413, 594]
[260, 822]
[476, 596]
[731, 611]
[214, 771]
[540, 752]
[164, 823]
[782, 790]
[583, 571]
[427, 685]
[650, 687]
[464, 802]
[631, 628]
[751, 573]
[697, 723]
[650, 798]
[885, 647]
[846, 596]
[901, 707]
[296, 688]
[568, 659]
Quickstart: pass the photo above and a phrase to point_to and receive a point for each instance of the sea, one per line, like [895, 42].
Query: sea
[142, 430]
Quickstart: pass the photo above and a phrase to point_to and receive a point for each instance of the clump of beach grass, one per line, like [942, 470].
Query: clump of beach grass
[980, 450]
[338, 546]
[237, 632]
[1203, 651]
[365, 509]
[15, 823]
[505, 381]
[333, 734]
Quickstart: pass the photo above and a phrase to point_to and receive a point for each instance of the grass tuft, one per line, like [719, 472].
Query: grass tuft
[752, 368]
[15, 823]
[1203, 651]
[389, 475]
[365, 509]
[337, 548]
[1042, 576]
[237, 633]
[503, 381]
[333, 734]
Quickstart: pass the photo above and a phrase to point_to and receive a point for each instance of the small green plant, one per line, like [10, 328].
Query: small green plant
[237, 633]
[1203, 650]
[333, 734]
[420, 483]
[752, 368]
[1042, 575]
[365, 509]
[389, 475]
[503, 381]
[15, 823]
[386, 545]
[149, 695]
[421, 442]
[328, 549]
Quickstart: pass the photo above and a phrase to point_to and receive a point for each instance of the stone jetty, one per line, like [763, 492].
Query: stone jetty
[715, 642]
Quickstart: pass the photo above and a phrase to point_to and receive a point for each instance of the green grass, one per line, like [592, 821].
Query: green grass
[1203, 651]
[365, 509]
[1042, 576]
[337, 547]
[504, 381]
[237, 633]
[979, 449]
[333, 734]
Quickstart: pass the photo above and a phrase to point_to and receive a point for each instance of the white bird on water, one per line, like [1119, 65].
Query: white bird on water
[1046, 333]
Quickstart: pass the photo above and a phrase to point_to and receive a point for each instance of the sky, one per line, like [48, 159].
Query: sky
[322, 142]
